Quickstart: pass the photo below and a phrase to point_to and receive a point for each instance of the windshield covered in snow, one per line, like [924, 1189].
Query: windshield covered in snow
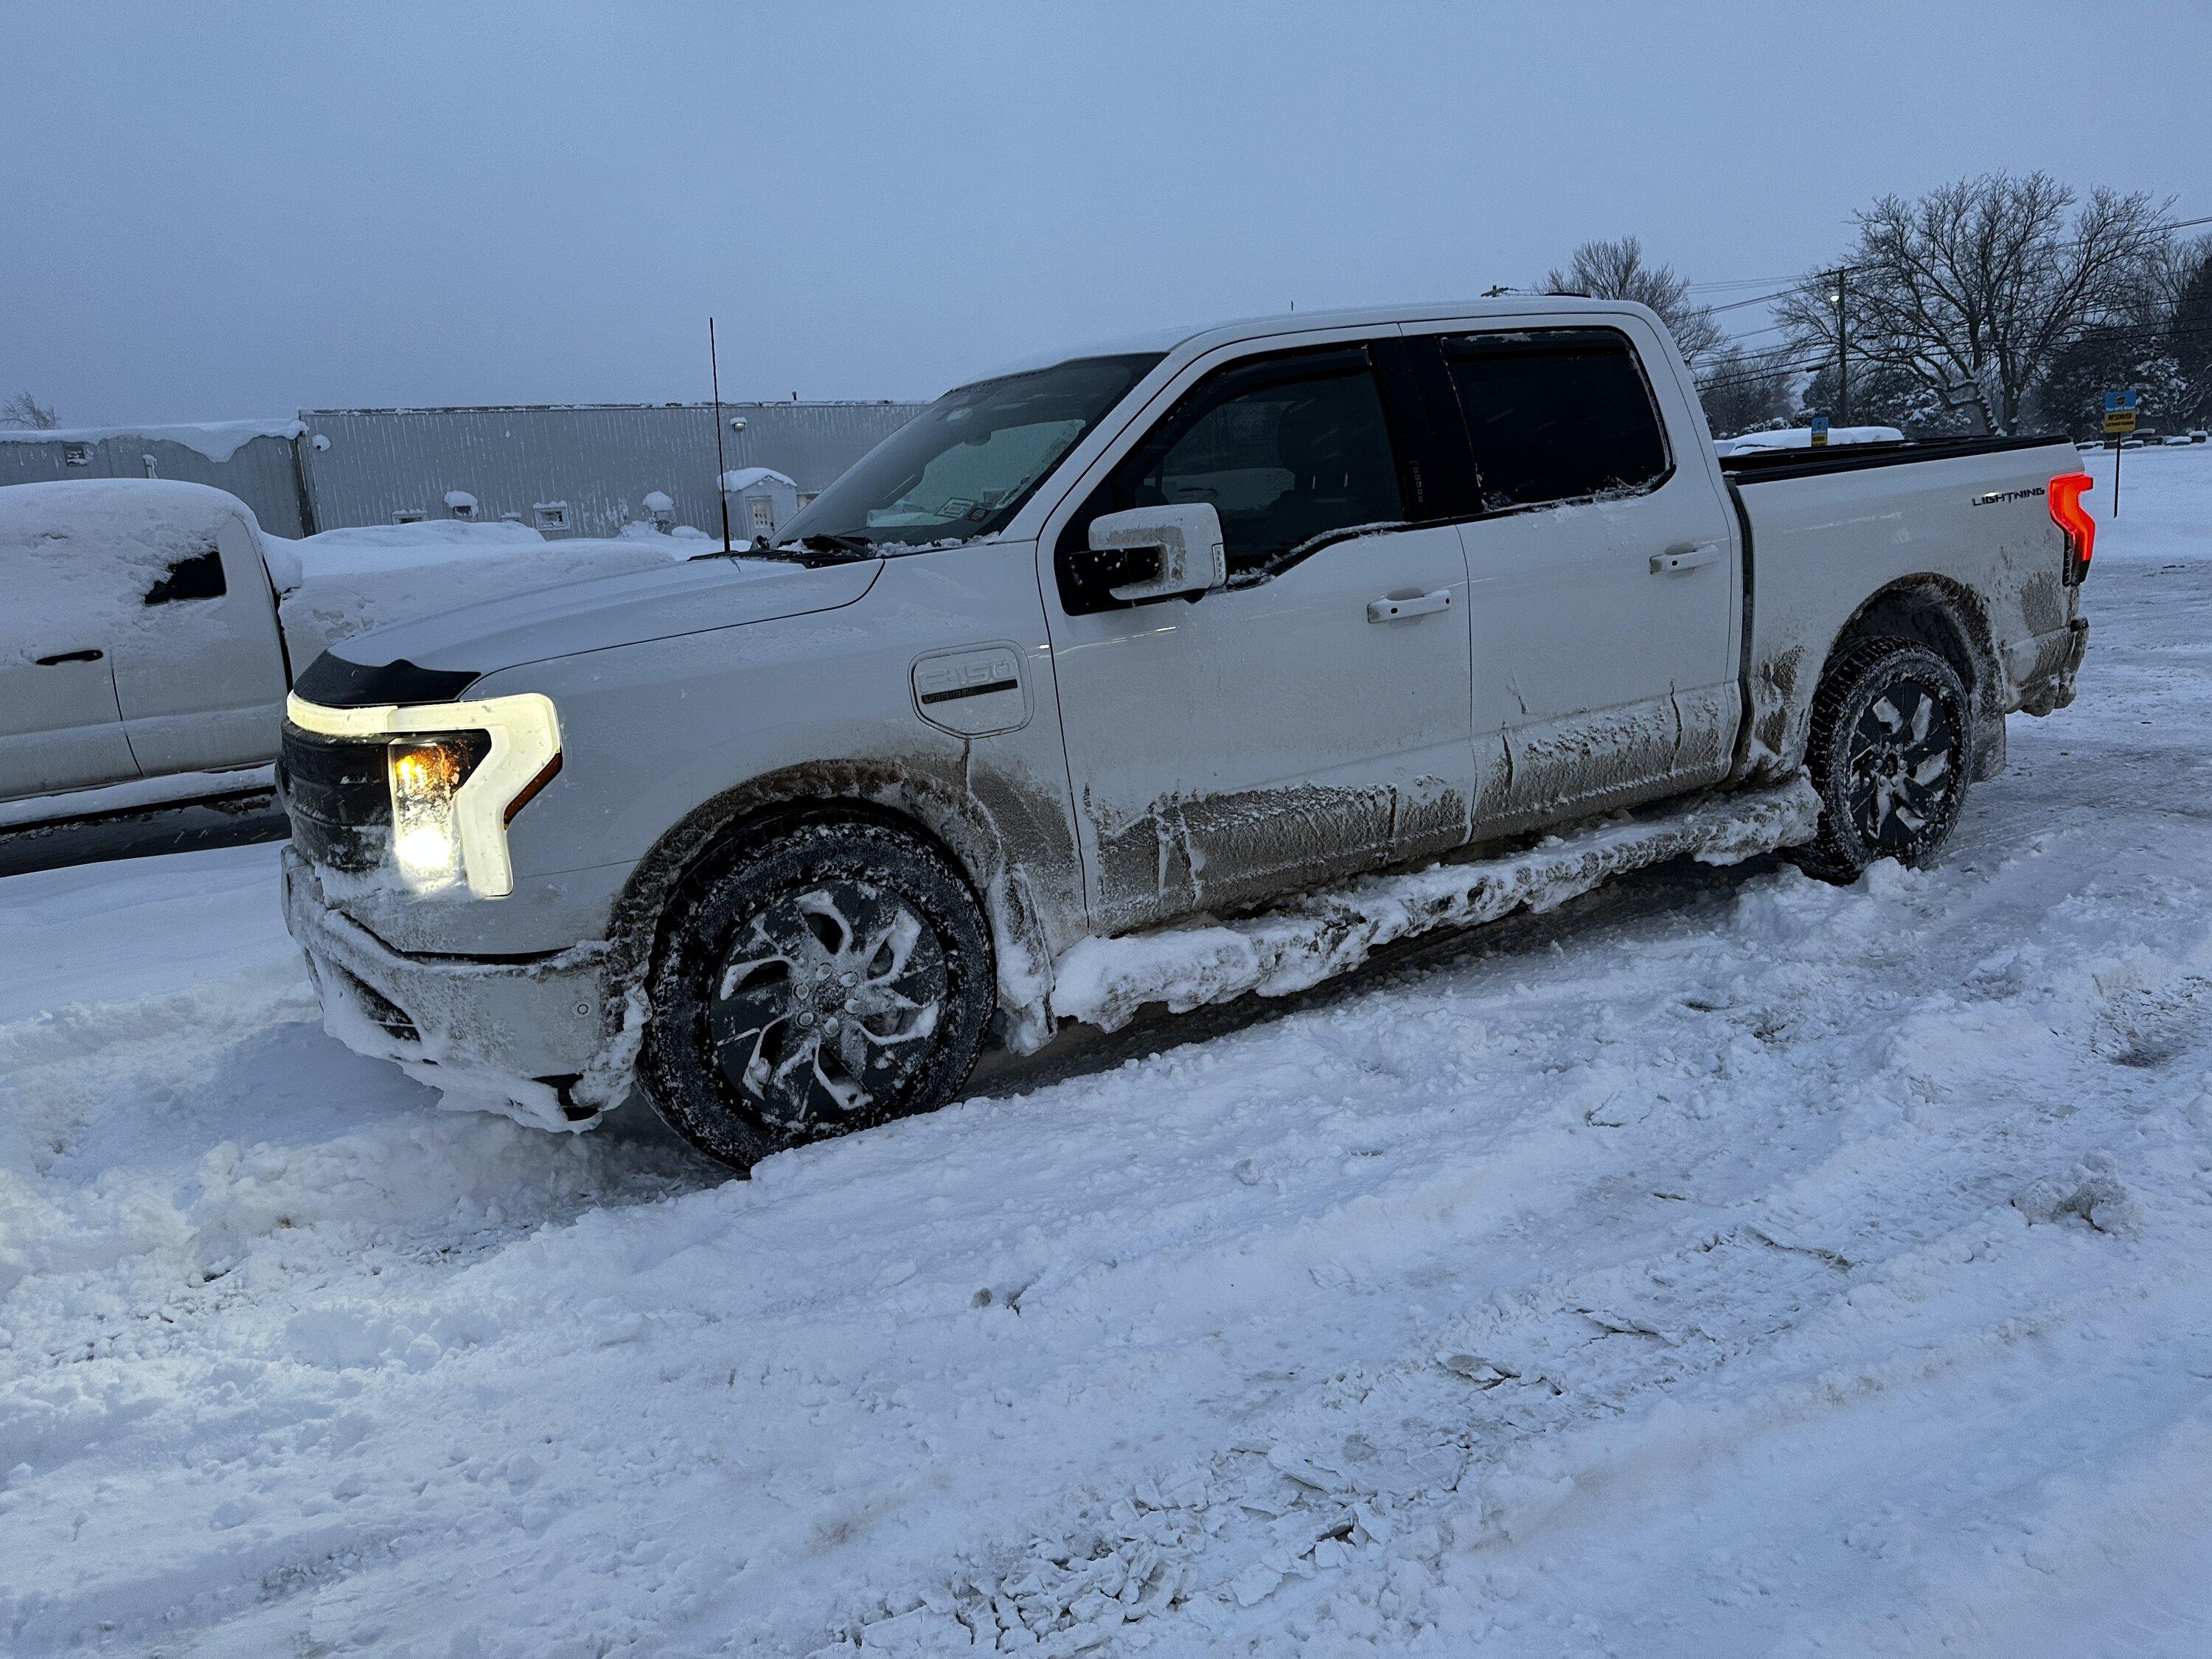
[963, 466]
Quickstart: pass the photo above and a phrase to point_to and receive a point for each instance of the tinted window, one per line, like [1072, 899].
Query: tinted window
[1289, 450]
[1555, 416]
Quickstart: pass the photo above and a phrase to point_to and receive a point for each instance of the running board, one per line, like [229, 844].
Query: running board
[1104, 982]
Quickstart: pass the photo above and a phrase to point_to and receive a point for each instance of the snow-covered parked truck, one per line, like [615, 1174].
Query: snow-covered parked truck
[1155, 674]
[148, 628]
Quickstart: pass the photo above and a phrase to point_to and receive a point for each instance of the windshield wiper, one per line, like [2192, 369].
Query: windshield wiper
[824, 541]
[821, 549]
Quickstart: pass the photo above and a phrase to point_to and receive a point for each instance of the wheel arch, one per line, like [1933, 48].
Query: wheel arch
[1949, 619]
[948, 822]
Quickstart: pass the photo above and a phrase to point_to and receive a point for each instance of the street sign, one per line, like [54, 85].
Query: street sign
[2119, 420]
[1820, 431]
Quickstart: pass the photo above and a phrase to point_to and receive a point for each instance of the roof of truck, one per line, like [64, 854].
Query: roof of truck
[1204, 335]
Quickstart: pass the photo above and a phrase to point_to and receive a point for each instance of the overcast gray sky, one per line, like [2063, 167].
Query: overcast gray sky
[211, 211]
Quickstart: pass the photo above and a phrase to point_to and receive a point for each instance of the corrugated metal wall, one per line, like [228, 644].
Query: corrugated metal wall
[261, 471]
[597, 462]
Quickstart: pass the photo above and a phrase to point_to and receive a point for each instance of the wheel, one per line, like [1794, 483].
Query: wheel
[836, 977]
[1888, 754]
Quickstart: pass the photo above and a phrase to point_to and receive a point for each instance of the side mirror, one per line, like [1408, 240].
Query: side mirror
[1185, 540]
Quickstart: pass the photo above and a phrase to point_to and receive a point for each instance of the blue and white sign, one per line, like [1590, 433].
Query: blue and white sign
[1819, 429]
[2116, 401]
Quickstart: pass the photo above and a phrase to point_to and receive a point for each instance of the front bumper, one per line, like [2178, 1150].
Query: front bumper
[551, 1041]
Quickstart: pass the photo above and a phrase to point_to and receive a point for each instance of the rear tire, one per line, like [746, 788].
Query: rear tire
[1890, 754]
[832, 978]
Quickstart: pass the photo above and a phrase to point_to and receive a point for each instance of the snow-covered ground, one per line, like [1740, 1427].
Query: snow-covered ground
[1722, 1264]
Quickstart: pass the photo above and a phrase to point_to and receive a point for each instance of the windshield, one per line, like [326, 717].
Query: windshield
[965, 464]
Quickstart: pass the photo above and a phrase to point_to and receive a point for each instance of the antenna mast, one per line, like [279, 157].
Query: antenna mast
[722, 473]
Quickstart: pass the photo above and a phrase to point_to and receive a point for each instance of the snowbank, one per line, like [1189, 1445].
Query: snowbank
[420, 540]
[216, 440]
[1801, 437]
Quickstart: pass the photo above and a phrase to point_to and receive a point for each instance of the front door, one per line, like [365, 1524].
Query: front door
[61, 610]
[1603, 592]
[1308, 720]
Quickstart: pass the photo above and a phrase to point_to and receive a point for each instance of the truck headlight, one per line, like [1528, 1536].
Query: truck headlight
[426, 776]
[457, 772]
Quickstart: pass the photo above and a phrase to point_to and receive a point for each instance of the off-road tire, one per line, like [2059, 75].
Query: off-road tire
[838, 923]
[1891, 786]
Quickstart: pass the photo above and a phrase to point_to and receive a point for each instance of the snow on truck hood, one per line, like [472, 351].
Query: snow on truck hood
[600, 612]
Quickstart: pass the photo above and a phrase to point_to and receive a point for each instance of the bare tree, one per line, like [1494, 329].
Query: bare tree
[1616, 271]
[24, 409]
[1741, 392]
[1985, 280]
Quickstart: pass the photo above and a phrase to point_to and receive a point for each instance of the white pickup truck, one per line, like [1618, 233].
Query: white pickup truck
[148, 628]
[1162, 673]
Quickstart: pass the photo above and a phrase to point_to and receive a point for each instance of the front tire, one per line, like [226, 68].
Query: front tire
[1890, 755]
[836, 977]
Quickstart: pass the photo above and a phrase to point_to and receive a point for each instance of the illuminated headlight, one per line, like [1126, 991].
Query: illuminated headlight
[459, 772]
[426, 776]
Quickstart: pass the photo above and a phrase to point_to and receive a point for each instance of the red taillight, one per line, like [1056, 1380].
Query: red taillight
[2071, 517]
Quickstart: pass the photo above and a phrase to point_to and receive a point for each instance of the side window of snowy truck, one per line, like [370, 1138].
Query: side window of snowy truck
[195, 577]
[1555, 415]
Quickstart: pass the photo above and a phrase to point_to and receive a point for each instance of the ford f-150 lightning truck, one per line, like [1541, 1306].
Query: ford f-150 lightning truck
[1121, 651]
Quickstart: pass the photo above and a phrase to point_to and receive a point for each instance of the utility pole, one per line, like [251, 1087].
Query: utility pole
[721, 477]
[1842, 349]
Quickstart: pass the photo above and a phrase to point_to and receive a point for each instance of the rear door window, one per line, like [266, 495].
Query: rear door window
[1555, 415]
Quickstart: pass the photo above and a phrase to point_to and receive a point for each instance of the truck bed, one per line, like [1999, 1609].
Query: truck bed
[1762, 466]
[1954, 546]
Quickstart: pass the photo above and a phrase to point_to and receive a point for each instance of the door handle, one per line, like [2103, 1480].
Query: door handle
[1421, 604]
[66, 656]
[1688, 556]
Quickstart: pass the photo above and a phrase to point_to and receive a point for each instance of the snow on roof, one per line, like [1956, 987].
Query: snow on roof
[216, 440]
[745, 478]
[81, 555]
[155, 515]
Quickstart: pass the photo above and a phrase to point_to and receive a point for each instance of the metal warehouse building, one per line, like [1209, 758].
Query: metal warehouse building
[257, 461]
[581, 470]
[567, 470]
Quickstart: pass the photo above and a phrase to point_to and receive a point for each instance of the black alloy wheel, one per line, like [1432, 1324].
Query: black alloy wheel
[839, 976]
[1890, 755]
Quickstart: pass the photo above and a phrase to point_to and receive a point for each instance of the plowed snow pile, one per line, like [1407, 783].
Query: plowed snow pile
[1720, 1263]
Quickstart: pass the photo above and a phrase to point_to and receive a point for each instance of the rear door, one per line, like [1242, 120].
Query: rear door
[1310, 719]
[1602, 578]
[201, 675]
[60, 726]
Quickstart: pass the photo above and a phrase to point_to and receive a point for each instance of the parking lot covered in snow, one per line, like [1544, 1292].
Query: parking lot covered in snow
[1723, 1262]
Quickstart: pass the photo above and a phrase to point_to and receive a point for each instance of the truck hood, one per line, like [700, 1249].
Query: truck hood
[600, 612]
